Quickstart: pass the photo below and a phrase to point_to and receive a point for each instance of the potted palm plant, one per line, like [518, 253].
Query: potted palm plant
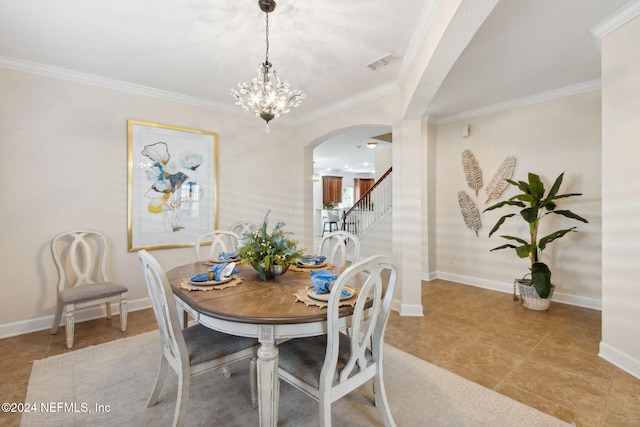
[534, 205]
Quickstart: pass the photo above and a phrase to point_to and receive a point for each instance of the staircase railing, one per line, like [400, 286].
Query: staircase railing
[370, 208]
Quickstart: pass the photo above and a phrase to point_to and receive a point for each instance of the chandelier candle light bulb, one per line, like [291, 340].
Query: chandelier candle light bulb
[267, 96]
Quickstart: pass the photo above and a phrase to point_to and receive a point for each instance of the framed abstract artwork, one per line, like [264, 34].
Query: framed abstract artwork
[172, 185]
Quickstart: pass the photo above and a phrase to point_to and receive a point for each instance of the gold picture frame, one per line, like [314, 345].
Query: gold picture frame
[172, 185]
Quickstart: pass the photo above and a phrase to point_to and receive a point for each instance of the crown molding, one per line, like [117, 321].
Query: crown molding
[350, 102]
[618, 19]
[77, 77]
[519, 102]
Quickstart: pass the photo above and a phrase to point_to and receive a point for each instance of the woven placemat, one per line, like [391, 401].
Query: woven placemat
[302, 296]
[184, 284]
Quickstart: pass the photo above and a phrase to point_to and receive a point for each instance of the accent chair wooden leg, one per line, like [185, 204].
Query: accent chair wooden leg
[123, 314]
[69, 324]
[108, 306]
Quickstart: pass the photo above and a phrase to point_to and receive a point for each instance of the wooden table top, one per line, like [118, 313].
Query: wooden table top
[254, 300]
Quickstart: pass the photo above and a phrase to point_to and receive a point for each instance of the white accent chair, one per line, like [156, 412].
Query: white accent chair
[340, 243]
[81, 260]
[191, 351]
[328, 367]
[220, 241]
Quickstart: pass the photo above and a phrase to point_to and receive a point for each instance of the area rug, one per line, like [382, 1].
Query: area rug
[109, 384]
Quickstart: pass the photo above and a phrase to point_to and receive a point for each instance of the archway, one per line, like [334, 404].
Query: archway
[344, 153]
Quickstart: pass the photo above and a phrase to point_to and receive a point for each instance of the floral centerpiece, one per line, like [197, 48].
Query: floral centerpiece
[270, 254]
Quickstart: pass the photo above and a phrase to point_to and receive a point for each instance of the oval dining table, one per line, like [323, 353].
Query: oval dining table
[266, 310]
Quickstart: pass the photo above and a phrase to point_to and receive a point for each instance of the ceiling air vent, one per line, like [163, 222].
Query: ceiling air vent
[384, 61]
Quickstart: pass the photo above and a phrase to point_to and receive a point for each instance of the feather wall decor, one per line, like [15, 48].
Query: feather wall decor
[472, 171]
[469, 212]
[498, 184]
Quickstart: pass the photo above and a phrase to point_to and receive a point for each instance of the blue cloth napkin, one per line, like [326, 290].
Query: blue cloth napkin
[227, 255]
[217, 273]
[322, 281]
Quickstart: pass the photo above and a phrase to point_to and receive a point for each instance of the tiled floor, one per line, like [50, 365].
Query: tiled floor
[547, 360]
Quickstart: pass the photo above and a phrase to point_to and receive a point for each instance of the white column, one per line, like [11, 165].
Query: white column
[407, 208]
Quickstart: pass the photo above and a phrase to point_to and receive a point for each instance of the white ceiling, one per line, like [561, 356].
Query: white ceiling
[196, 50]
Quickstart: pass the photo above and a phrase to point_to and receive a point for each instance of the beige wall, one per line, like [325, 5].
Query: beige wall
[63, 158]
[546, 138]
[621, 197]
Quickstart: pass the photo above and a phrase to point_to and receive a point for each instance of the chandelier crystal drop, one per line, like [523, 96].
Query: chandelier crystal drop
[267, 96]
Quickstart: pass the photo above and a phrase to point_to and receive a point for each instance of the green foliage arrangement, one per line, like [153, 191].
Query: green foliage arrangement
[264, 250]
[535, 205]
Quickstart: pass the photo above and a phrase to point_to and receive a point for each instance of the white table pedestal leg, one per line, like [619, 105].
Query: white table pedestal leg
[268, 395]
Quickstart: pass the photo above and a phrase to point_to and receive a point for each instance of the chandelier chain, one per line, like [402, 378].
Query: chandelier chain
[267, 38]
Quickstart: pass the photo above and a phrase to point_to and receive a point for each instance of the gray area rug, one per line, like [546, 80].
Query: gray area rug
[109, 384]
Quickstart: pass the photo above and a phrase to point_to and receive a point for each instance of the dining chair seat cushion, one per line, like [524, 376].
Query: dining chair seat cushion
[304, 357]
[200, 340]
[83, 293]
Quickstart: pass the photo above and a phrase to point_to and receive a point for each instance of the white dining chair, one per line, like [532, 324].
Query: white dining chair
[244, 227]
[328, 367]
[80, 257]
[218, 241]
[339, 246]
[193, 350]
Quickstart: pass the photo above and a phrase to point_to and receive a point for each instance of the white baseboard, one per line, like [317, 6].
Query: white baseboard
[90, 313]
[619, 359]
[414, 310]
[576, 300]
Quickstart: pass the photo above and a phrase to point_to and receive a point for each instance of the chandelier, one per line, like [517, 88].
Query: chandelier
[266, 96]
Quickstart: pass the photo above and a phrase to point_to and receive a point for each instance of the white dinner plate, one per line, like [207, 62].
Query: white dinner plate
[222, 261]
[325, 297]
[304, 265]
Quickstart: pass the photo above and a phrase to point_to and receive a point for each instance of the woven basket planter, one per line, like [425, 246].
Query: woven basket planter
[529, 297]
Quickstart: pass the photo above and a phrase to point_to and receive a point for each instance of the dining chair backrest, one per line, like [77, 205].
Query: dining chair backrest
[219, 241]
[333, 217]
[368, 323]
[164, 307]
[80, 257]
[339, 245]
[244, 227]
